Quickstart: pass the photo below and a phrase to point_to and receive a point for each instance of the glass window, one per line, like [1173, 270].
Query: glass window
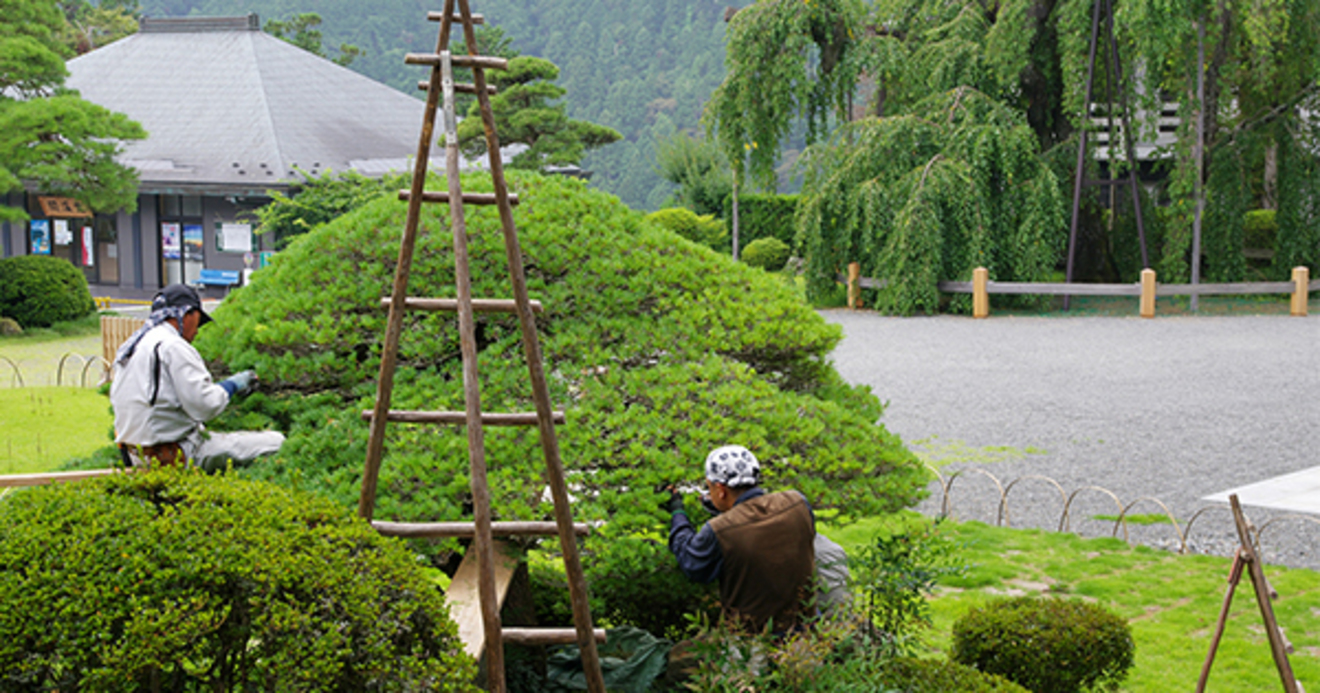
[169, 205]
[192, 206]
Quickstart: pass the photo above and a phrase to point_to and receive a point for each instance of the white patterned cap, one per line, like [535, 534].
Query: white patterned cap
[733, 465]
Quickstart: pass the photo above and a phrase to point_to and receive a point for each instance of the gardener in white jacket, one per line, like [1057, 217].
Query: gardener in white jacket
[163, 393]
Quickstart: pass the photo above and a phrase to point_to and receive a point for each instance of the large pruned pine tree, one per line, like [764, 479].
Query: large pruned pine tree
[49, 136]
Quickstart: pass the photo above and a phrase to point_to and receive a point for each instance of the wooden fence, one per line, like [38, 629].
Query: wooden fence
[114, 331]
[1147, 289]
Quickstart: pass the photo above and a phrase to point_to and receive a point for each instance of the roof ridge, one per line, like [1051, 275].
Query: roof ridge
[174, 25]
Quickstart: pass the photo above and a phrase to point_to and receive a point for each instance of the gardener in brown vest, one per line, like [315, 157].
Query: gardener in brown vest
[759, 546]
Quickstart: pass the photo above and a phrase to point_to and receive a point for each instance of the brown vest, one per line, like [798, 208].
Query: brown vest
[769, 563]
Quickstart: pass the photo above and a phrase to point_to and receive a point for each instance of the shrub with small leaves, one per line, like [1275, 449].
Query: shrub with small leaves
[769, 254]
[173, 580]
[911, 675]
[702, 229]
[1046, 645]
[40, 290]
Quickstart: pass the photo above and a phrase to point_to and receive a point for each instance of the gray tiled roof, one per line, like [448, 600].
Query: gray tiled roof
[226, 105]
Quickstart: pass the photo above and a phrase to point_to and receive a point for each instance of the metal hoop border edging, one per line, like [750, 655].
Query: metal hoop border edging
[1065, 520]
[948, 488]
[1004, 520]
[105, 370]
[1122, 519]
[18, 375]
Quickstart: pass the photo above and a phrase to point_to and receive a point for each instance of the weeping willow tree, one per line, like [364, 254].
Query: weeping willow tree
[1261, 68]
[928, 196]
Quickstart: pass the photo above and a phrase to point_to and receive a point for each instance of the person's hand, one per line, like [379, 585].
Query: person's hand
[674, 503]
[244, 382]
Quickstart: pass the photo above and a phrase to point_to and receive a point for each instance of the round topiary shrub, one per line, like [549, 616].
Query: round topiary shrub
[9, 327]
[1046, 645]
[39, 291]
[702, 229]
[770, 254]
[173, 580]
[910, 675]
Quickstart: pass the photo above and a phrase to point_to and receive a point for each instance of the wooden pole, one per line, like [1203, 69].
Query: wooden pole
[1198, 191]
[1234, 575]
[1301, 277]
[854, 285]
[1278, 648]
[1148, 293]
[980, 297]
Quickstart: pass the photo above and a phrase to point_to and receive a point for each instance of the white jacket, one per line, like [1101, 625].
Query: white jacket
[184, 394]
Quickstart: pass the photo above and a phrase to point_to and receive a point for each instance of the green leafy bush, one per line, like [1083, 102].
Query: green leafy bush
[908, 675]
[657, 351]
[9, 327]
[1046, 645]
[178, 581]
[1259, 228]
[769, 254]
[320, 199]
[702, 229]
[893, 574]
[765, 216]
[40, 290]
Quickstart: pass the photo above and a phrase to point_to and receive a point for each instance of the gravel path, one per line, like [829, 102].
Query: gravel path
[1172, 408]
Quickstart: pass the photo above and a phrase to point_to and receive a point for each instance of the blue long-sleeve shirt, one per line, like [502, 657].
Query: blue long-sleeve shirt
[698, 552]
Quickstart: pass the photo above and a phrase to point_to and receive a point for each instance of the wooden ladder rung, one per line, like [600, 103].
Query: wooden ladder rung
[467, 530]
[546, 636]
[457, 18]
[480, 199]
[460, 418]
[484, 62]
[479, 305]
[461, 88]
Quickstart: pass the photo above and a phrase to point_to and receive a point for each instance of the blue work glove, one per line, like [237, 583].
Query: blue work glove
[674, 503]
[240, 383]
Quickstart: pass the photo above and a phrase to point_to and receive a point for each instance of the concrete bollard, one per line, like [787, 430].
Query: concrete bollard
[1148, 293]
[1301, 277]
[980, 297]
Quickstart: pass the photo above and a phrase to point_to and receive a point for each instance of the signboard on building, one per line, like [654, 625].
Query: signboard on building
[40, 234]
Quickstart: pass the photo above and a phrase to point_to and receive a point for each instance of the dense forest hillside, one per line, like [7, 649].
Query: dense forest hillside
[642, 67]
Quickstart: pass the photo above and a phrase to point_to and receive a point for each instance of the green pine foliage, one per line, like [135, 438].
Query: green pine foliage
[173, 580]
[657, 349]
[318, 199]
[1056, 645]
[928, 197]
[49, 137]
[39, 291]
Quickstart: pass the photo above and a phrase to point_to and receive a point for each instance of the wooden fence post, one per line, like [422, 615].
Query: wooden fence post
[1301, 295]
[854, 287]
[1148, 293]
[980, 297]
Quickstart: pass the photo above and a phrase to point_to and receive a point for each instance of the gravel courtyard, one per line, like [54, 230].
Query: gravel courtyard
[1173, 408]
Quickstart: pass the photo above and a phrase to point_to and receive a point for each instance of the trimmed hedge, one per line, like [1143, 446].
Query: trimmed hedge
[700, 229]
[765, 216]
[769, 254]
[656, 349]
[40, 290]
[909, 675]
[173, 580]
[1046, 645]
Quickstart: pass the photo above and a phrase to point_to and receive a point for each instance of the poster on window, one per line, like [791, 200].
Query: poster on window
[88, 245]
[192, 243]
[40, 232]
[237, 238]
[63, 235]
[169, 240]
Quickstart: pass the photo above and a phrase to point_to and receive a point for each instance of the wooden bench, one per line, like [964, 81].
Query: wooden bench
[217, 277]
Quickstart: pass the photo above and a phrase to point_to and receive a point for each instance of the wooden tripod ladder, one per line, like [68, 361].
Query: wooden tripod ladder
[482, 530]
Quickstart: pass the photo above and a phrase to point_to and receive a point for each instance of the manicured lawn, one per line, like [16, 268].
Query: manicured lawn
[43, 427]
[37, 354]
[1171, 602]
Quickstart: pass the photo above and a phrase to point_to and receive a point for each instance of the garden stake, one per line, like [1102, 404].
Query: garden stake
[490, 638]
[1245, 557]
